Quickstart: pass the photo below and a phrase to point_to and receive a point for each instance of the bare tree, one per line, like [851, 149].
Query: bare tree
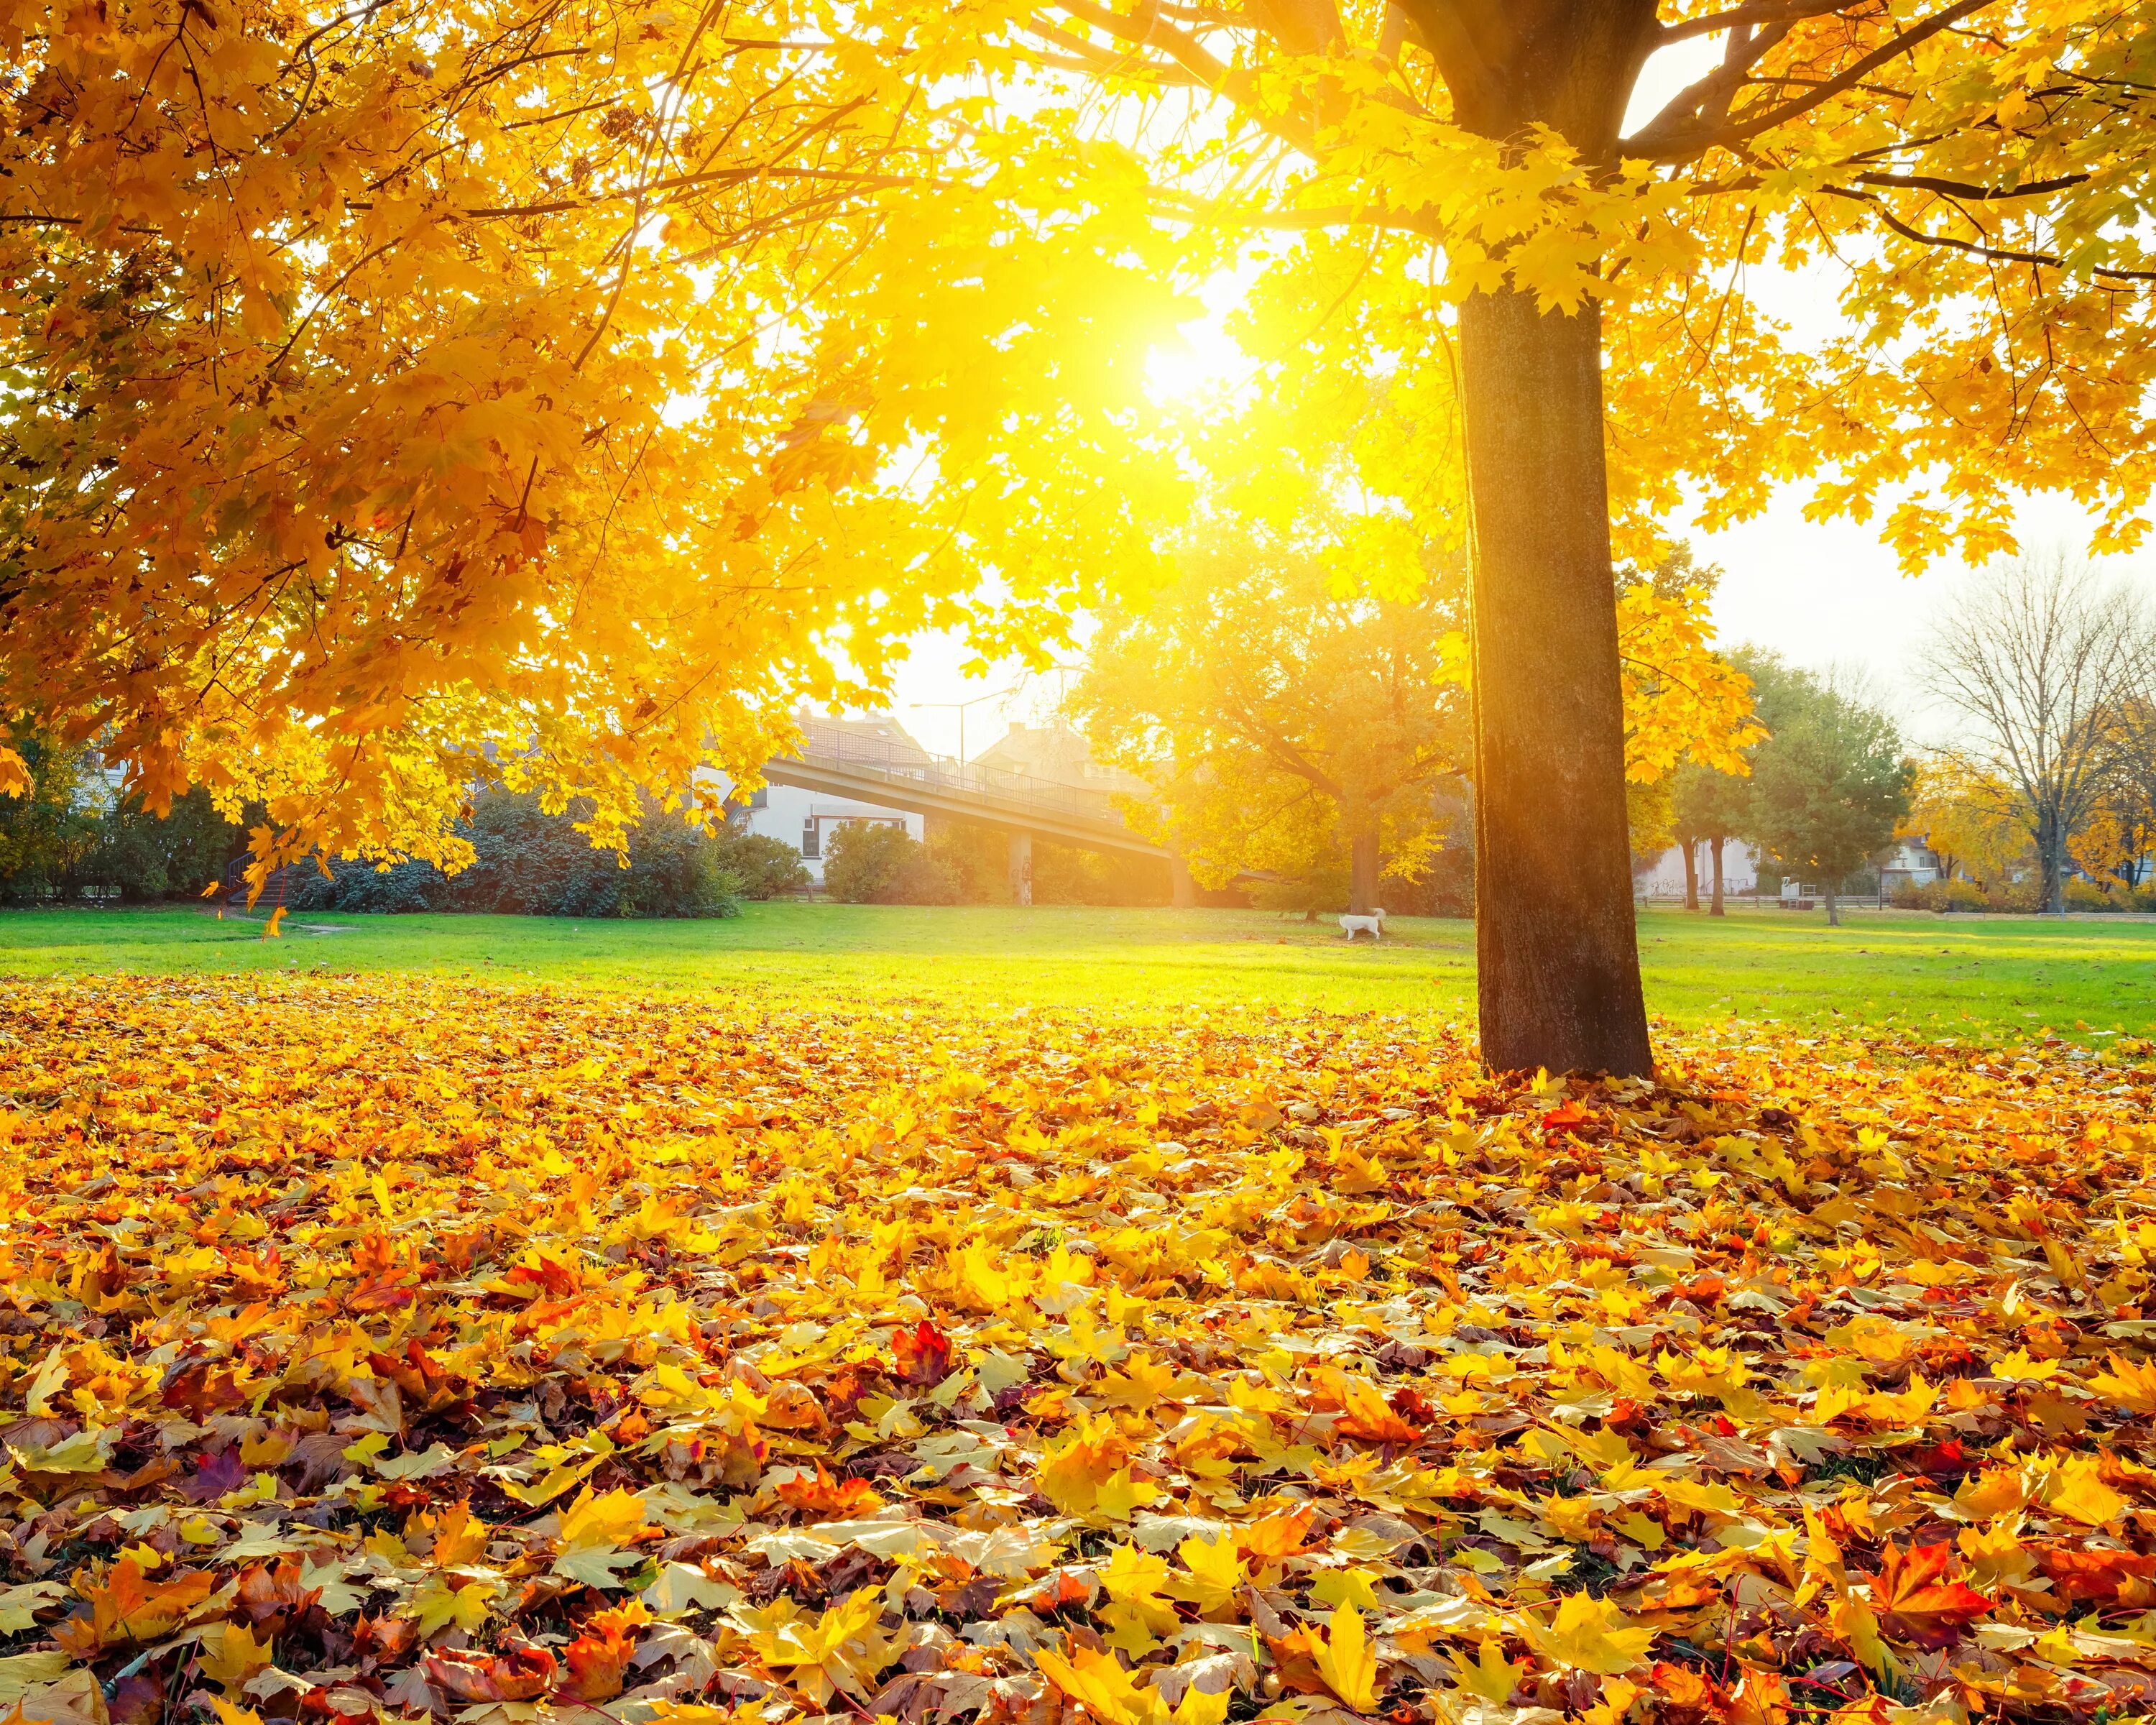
[2043, 660]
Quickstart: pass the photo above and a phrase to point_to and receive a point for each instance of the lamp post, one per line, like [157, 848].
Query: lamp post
[961, 707]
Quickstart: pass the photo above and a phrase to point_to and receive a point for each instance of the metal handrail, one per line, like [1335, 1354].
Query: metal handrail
[941, 773]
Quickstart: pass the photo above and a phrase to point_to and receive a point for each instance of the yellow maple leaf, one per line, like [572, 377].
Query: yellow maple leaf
[1348, 1662]
[1214, 1577]
[1591, 1634]
[613, 1519]
[2128, 1384]
[2076, 1489]
[1490, 1675]
[230, 1656]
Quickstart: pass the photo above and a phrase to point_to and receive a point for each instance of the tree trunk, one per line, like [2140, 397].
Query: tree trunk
[1833, 911]
[1557, 947]
[1362, 869]
[2050, 883]
[1714, 845]
[1691, 874]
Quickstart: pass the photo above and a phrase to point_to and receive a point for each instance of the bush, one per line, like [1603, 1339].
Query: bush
[979, 859]
[766, 867]
[1940, 895]
[2088, 896]
[879, 863]
[529, 863]
[2012, 898]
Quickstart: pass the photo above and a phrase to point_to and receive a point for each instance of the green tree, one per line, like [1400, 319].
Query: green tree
[874, 862]
[1831, 785]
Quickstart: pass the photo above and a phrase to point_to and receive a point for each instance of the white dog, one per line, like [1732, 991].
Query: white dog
[1372, 925]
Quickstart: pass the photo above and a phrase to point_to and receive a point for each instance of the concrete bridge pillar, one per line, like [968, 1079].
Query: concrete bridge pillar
[1021, 867]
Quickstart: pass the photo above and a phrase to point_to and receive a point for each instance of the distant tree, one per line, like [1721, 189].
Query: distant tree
[2114, 844]
[1712, 807]
[2043, 662]
[1966, 817]
[46, 832]
[1831, 785]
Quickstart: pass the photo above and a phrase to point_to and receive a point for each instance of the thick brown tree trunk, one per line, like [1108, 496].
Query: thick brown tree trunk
[1714, 909]
[1691, 874]
[1557, 948]
[1833, 911]
[1362, 871]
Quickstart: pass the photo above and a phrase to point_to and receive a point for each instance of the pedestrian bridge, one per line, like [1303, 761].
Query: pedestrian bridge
[867, 770]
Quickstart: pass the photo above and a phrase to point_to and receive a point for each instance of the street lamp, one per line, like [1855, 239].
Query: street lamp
[961, 707]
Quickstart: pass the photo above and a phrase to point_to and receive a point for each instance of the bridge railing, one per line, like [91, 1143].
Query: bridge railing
[873, 755]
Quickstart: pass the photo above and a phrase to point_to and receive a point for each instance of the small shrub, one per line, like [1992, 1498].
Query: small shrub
[2143, 897]
[2016, 898]
[2088, 896]
[528, 863]
[1940, 895]
[878, 863]
[766, 867]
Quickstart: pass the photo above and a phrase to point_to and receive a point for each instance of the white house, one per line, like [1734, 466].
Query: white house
[1664, 877]
[1910, 863]
[806, 819]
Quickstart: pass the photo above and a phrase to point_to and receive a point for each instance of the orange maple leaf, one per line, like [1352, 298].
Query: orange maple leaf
[830, 1499]
[127, 1607]
[1915, 1590]
[519, 1674]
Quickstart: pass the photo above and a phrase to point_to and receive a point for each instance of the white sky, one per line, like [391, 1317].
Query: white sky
[1822, 594]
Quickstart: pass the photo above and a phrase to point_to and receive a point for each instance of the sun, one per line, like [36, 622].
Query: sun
[1201, 361]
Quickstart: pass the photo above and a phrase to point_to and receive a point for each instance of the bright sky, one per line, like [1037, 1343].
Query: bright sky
[1822, 594]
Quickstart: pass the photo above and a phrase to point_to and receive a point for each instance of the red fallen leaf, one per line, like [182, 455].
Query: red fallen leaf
[274, 1596]
[1409, 1403]
[1915, 1591]
[383, 1641]
[1566, 1115]
[2123, 1576]
[560, 1279]
[1946, 1458]
[923, 1353]
[127, 1607]
[598, 1656]
[1058, 1588]
[517, 1675]
[221, 1473]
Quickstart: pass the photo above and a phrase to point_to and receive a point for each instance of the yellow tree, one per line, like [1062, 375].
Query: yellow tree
[1285, 712]
[1952, 174]
[410, 394]
[1967, 816]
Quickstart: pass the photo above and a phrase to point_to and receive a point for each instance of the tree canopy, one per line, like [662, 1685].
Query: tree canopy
[1831, 787]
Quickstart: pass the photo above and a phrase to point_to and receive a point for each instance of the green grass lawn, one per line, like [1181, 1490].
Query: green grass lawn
[1970, 976]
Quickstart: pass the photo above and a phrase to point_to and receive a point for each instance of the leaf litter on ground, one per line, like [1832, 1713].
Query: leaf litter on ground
[380, 1349]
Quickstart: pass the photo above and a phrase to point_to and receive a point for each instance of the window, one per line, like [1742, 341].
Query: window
[812, 846]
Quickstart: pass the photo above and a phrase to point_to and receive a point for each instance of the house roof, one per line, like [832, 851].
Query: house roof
[868, 734]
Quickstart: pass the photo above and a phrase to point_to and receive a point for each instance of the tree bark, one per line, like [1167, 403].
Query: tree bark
[1715, 844]
[1363, 864]
[1691, 874]
[2050, 882]
[1556, 943]
[1833, 911]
